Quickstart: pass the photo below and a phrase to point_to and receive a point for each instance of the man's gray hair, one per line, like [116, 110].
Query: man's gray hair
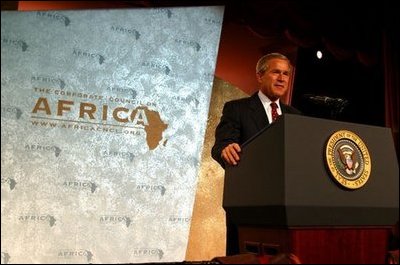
[262, 64]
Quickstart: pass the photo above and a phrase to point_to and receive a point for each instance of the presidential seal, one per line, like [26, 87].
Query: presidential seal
[348, 159]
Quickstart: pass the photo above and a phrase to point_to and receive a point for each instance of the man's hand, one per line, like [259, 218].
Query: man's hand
[231, 154]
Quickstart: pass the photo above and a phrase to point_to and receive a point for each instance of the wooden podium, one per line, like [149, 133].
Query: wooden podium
[284, 199]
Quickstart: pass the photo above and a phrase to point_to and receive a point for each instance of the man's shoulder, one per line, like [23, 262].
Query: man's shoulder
[241, 101]
[238, 101]
[290, 109]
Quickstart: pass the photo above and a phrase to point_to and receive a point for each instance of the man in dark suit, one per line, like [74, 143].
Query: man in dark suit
[243, 118]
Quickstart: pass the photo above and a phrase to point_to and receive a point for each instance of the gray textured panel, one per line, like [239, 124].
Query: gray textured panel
[103, 118]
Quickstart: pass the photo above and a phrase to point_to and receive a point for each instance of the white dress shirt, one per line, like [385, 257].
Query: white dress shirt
[267, 105]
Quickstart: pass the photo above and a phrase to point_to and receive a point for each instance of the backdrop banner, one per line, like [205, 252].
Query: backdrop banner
[103, 117]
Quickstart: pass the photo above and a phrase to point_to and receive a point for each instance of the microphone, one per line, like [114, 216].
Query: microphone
[324, 100]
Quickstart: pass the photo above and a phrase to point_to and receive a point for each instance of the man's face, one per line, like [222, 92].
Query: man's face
[274, 82]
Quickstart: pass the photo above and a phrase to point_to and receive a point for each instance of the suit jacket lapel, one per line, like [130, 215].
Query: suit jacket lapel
[258, 112]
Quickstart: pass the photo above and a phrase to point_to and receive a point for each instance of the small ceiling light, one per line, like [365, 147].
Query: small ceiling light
[319, 54]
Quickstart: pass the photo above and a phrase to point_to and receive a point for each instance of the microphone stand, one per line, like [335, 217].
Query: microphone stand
[337, 109]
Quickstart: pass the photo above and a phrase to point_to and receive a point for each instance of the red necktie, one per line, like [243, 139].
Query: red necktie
[274, 111]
